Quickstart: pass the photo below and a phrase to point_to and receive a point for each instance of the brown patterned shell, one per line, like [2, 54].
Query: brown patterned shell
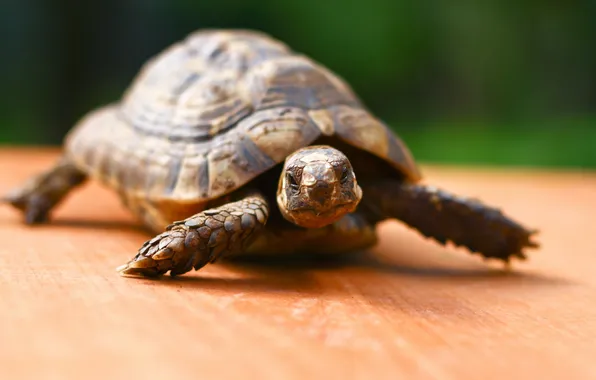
[215, 110]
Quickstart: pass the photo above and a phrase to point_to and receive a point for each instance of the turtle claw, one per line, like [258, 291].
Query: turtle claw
[127, 271]
[171, 251]
[34, 206]
[147, 266]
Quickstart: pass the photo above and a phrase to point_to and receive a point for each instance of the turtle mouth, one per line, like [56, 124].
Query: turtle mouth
[315, 218]
[328, 211]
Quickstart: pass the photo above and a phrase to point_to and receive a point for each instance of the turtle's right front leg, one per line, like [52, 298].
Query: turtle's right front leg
[200, 239]
[42, 192]
[445, 217]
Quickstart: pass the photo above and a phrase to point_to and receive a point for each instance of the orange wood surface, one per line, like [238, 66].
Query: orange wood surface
[408, 309]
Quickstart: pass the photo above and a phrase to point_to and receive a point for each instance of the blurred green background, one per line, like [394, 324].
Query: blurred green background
[473, 82]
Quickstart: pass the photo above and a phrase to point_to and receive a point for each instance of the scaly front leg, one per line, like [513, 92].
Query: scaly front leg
[200, 239]
[445, 217]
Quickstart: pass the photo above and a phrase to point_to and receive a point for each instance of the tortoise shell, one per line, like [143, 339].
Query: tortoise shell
[212, 112]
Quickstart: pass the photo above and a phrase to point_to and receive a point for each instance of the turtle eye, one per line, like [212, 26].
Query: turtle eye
[291, 180]
[345, 175]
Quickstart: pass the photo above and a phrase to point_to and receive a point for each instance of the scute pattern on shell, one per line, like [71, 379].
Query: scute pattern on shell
[213, 111]
[195, 88]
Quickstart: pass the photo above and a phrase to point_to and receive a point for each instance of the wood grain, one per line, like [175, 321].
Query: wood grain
[407, 309]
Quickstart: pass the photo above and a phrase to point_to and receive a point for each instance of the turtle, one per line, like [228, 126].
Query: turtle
[229, 142]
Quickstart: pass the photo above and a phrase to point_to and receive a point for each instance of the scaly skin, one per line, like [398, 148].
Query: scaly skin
[200, 239]
[41, 193]
[445, 217]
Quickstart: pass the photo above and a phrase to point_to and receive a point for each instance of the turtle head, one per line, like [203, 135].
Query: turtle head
[317, 187]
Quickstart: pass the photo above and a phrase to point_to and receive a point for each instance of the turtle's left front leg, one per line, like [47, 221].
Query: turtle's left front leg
[446, 217]
[201, 239]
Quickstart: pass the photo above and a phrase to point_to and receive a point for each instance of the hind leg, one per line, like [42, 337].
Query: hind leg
[38, 195]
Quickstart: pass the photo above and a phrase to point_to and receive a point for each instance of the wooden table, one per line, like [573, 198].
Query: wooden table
[408, 310]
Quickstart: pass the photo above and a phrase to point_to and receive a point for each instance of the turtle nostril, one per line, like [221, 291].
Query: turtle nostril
[320, 193]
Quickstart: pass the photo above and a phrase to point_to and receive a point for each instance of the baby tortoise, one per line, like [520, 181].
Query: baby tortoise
[195, 147]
